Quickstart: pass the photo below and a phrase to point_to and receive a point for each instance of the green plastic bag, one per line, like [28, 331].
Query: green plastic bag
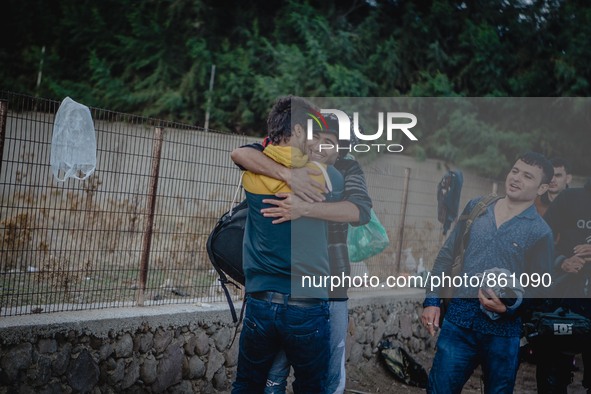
[367, 240]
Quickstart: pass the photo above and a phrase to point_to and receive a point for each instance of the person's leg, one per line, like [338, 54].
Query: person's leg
[455, 359]
[499, 359]
[339, 319]
[278, 374]
[587, 367]
[305, 335]
[259, 344]
[553, 370]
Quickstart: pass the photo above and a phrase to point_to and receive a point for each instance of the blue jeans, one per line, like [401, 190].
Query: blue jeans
[336, 379]
[339, 322]
[302, 332]
[278, 374]
[460, 350]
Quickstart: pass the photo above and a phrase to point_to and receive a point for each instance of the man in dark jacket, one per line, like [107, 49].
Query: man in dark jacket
[569, 217]
[560, 180]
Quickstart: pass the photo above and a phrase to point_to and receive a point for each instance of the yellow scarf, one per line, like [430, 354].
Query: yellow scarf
[287, 156]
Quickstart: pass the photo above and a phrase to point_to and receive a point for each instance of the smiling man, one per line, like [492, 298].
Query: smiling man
[277, 313]
[351, 206]
[480, 328]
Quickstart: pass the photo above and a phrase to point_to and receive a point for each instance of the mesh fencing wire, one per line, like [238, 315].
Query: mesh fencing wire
[78, 245]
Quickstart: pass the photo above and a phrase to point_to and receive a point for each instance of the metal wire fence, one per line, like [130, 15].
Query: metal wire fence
[92, 244]
[82, 244]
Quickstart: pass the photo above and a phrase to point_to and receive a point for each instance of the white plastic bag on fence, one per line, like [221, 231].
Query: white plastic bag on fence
[73, 144]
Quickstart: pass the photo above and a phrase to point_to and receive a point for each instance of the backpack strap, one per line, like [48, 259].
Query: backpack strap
[469, 219]
[223, 282]
[238, 324]
[236, 194]
[325, 174]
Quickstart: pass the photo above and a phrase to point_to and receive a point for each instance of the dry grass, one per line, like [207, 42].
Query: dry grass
[71, 246]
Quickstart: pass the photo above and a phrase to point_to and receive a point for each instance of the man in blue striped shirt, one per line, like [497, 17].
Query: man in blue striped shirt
[509, 235]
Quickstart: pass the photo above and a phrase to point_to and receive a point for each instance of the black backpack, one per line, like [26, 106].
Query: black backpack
[448, 198]
[224, 248]
[402, 365]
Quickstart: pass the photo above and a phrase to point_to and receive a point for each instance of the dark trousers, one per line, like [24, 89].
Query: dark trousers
[554, 370]
[460, 350]
[302, 332]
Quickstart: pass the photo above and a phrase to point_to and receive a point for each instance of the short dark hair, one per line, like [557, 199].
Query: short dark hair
[332, 122]
[332, 127]
[539, 160]
[561, 162]
[285, 114]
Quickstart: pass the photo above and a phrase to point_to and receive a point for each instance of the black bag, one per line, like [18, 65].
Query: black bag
[561, 329]
[448, 198]
[402, 365]
[224, 248]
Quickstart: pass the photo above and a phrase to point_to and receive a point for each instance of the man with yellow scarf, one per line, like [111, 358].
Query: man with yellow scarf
[282, 313]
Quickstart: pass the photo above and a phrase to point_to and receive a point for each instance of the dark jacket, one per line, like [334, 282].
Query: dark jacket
[356, 193]
[569, 217]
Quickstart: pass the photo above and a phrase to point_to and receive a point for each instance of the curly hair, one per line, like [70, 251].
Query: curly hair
[285, 114]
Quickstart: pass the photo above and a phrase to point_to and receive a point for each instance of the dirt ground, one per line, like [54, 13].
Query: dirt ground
[373, 377]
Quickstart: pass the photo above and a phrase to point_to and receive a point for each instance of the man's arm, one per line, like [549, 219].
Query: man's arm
[251, 158]
[563, 264]
[553, 215]
[298, 179]
[540, 260]
[583, 251]
[356, 190]
[340, 211]
[443, 264]
[355, 208]
[575, 263]
[291, 207]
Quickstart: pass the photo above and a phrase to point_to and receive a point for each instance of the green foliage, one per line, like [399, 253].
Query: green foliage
[155, 58]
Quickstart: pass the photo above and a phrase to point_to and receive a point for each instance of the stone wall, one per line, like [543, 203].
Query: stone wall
[172, 349]
[372, 319]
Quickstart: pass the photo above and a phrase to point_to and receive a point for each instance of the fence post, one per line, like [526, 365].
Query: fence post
[211, 79]
[495, 187]
[403, 218]
[3, 115]
[151, 205]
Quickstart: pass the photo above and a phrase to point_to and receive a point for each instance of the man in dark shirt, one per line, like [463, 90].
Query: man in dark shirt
[560, 180]
[569, 217]
[508, 235]
[354, 208]
[279, 310]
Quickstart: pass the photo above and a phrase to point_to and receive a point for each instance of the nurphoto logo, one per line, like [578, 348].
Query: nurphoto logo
[391, 122]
